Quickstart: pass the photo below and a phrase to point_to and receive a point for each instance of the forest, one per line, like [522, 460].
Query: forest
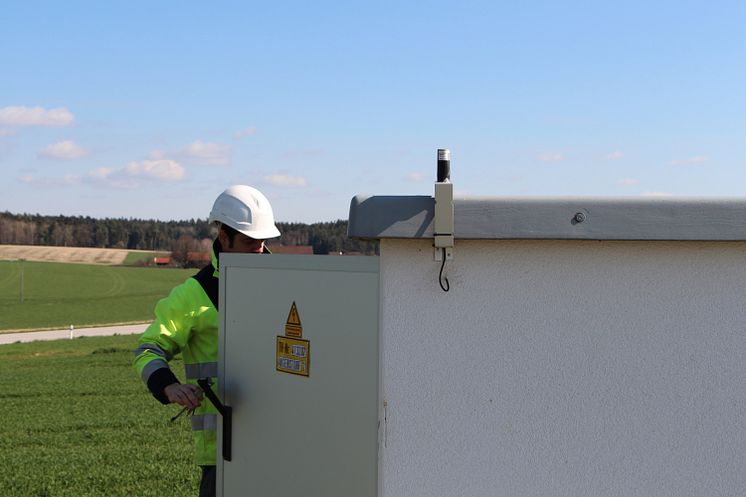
[142, 234]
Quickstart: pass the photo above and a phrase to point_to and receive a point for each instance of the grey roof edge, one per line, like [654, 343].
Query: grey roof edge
[554, 218]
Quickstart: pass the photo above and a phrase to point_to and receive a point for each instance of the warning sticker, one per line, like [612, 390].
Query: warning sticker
[293, 327]
[293, 355]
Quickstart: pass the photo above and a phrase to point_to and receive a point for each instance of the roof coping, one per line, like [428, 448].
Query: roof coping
[554, 218]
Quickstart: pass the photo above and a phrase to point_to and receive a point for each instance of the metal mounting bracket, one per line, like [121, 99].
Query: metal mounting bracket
[438, 254]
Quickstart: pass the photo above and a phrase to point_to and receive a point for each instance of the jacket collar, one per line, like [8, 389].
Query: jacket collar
[217, 248]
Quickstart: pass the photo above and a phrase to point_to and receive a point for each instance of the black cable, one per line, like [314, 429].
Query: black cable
[440, 276]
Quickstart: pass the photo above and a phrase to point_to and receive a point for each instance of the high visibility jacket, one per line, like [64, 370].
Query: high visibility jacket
[186, 322]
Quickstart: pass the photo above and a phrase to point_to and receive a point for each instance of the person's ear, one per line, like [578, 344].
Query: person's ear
[223, 239]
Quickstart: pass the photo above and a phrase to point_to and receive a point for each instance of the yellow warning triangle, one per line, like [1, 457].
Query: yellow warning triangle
[293, 327]
[293, 317]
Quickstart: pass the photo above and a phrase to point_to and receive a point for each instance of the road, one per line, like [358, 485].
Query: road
[30, 336]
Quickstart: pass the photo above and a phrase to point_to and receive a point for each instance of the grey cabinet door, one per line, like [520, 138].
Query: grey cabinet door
[298, 365]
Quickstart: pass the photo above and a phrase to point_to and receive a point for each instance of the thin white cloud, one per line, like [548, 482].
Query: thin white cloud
[160, 170]
[133, 175]
[285, 180]
[691, 161]
[101, 173]
[628, 182]
[243, 133]
[302, 153]
[617, 155]
[35, 116]
[550, 157]
[416, 177]
[64, 150]
[657, 194]
[45, 182]
[136, 174]
[7, 132]
[213, 154]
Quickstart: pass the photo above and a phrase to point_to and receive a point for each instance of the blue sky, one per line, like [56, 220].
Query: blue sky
[150, 109]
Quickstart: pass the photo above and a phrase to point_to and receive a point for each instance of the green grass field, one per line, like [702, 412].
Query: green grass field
[76, 421]
[56, 295]
[135, 257]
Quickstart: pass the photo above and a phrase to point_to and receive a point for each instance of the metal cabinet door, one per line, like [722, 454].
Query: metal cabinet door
[296, 434]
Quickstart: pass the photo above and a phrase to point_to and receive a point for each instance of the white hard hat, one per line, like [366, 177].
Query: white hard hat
[246, 210]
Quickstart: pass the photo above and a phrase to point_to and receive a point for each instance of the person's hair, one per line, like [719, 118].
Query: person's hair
[230, 232]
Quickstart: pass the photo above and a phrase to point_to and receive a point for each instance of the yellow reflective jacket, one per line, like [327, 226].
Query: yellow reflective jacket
[186, 322]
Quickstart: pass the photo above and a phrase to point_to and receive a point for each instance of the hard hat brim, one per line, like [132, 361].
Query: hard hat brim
[261, 234]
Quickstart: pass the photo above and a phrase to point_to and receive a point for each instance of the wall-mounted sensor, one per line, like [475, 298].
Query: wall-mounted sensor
[443, 223]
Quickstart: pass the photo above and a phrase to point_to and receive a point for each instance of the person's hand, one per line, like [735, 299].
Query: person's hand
[184, 394]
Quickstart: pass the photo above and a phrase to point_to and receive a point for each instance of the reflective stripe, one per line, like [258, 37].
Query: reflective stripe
[201, 370]
[152, 367]
[154, 349]
[204, 422]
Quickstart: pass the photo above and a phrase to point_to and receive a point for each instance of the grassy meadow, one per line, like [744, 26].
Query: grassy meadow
[134, 258]
[78, 422]
[56, 295]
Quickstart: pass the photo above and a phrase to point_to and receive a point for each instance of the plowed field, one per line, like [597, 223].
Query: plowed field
[63, 254]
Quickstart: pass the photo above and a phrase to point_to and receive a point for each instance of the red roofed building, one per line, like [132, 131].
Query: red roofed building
[291, 249]
[199, 258]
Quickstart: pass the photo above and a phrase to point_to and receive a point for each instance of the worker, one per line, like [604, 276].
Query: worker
[186, 322]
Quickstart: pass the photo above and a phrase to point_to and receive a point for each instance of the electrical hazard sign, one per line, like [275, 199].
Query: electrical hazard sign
[293, 352]
[293, 355]
[293, 327]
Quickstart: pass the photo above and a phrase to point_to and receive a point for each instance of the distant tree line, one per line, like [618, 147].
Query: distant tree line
[171, 236]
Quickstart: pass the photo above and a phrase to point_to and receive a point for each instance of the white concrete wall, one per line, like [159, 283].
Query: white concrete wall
[564, 369]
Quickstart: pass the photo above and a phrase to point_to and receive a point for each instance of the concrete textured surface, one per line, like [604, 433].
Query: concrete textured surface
[564, 368]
